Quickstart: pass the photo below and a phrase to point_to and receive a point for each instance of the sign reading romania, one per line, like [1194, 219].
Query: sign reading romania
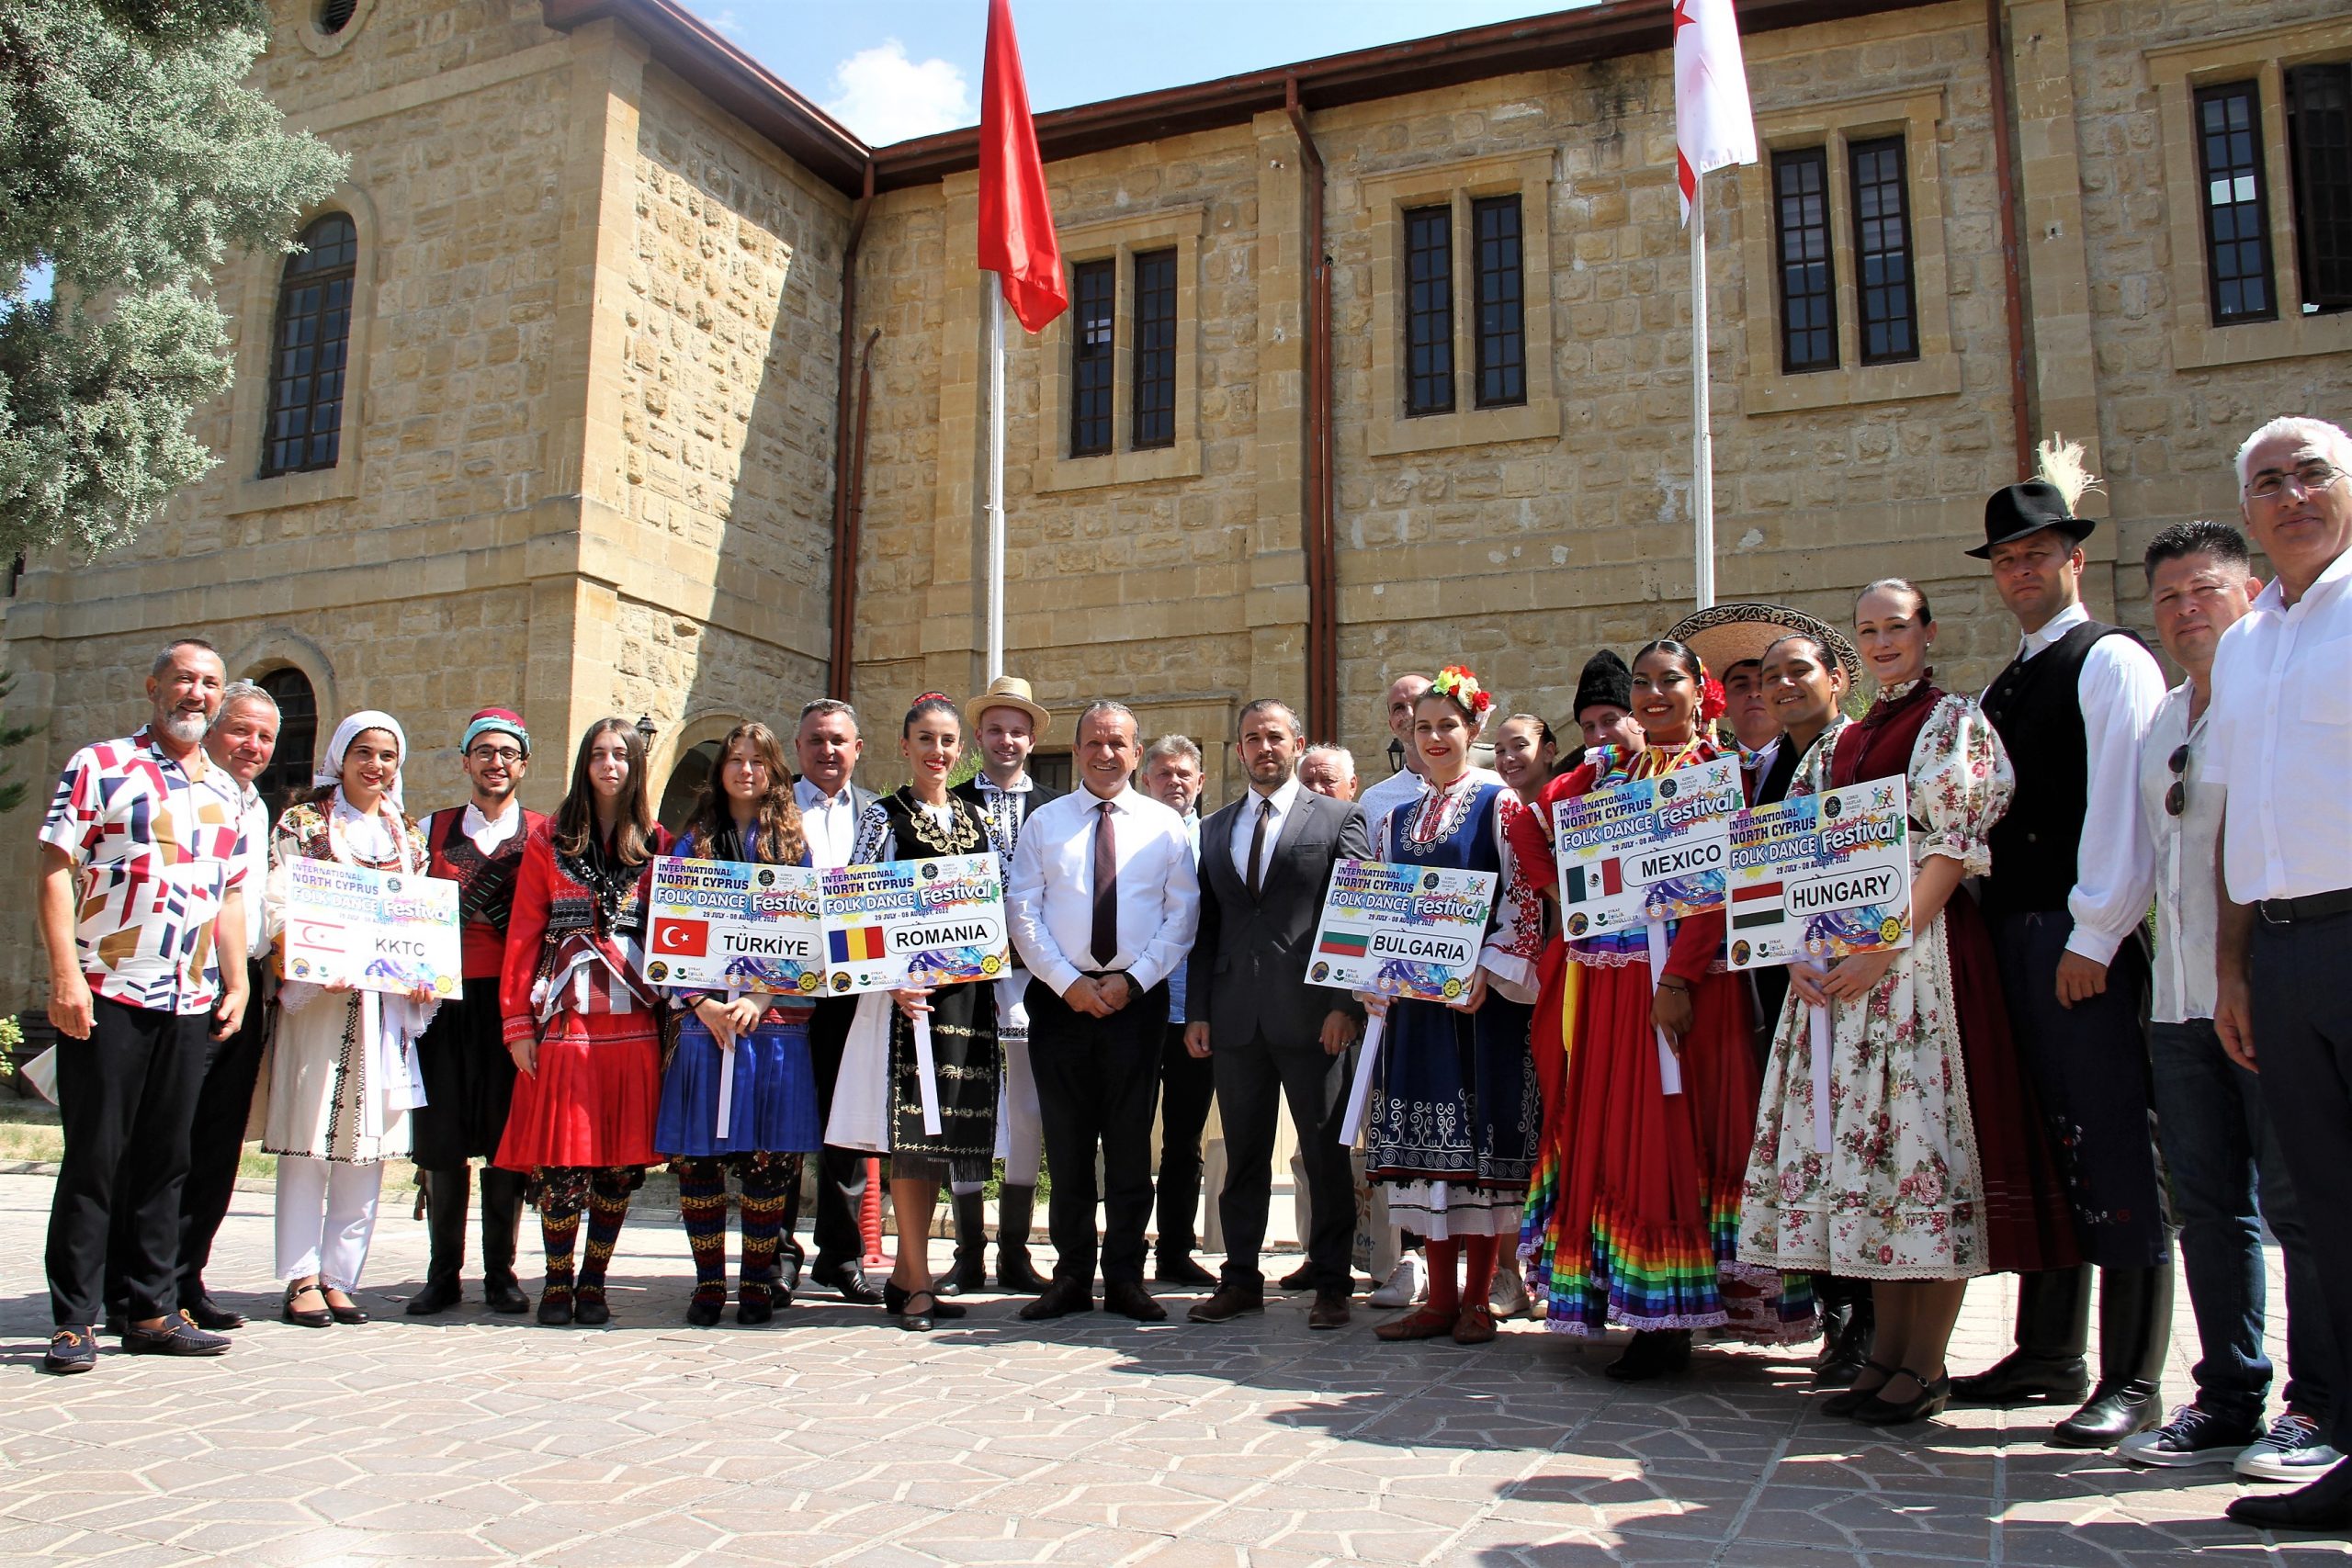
[935, 922]
[1402, 930]
[374, 930]
[719, 925]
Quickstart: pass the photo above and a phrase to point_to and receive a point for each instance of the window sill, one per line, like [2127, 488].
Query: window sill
[1393, 435]
[1181, 461]
[280, 490]
[2197, 345]
[1937, 375]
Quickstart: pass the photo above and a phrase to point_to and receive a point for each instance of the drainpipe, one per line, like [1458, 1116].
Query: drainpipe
[1996, 67]
[848, 459]
[1321, 530]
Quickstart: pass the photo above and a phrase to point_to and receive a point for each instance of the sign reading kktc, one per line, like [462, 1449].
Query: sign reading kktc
[1820, 878]
[375, 931]
[1648, 849]
[735, 925]
[1402, 930]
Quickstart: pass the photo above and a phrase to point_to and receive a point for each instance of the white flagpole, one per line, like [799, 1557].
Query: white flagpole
[996, 477]
[1703, 446]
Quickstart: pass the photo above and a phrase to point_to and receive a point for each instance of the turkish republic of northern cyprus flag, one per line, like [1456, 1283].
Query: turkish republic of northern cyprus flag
[1017, 239]
[1713, 125]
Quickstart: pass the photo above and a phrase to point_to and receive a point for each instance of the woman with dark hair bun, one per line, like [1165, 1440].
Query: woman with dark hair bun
[580, 1020]
[746, 813]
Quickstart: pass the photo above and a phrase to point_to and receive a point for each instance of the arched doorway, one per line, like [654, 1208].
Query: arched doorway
[298, 737]
[686, 779]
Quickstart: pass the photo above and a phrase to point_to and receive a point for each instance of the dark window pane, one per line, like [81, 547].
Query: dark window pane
[1155, 388]
[1090, 404]
[298, 737]
[1890, 307]
[2319, 138]
[1800, 236]
[2236, 204]
[1502, 335]
[303, 429]
[1429, 310]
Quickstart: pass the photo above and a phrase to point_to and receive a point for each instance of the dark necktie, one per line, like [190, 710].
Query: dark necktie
[1106, 890]
[1256, 880]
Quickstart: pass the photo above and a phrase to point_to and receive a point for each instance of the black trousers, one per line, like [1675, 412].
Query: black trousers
[841, 1173]
[1098, 1083]
[1187, 1085]
[217, 1137]
[1251, 1081]
[2303, 1044]
[127, 1097]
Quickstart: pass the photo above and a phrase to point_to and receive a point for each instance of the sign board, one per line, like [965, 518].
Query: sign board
[937, 922]
[374, 930]
[720, 925]
[1401, 930]
[1648, 849]
[1819, 878]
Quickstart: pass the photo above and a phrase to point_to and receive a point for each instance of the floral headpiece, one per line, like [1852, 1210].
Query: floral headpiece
[1457, 683]
[1712, 702]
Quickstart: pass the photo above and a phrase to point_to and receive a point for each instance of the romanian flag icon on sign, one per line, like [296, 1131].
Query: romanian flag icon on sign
[856, 944]
[1749, 907]
[1344, 945]
[1599, 880]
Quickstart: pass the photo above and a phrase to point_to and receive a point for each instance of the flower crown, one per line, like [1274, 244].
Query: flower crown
[1456, 681]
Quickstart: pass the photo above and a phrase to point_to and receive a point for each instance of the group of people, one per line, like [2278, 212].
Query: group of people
[1615, 1128]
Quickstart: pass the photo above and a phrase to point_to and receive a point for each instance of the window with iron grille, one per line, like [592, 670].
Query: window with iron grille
[2237, 206]
[2319, 142]
[1155, 314]
[1801, 232]
[1501, 339]
[1890, 307]
[309, 351]
[298, 737]
[1094, 284]
[1428, 310]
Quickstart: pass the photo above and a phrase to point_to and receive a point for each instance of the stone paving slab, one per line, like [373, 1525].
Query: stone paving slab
[832, 1439]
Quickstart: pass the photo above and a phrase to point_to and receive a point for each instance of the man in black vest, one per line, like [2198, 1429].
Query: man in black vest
[1265, 861]
[2073, 709]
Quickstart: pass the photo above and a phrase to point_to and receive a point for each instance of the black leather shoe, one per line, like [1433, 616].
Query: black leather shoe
[788, 1276]
[211, 1316]
[506, 1297]
[846, 1281]
[916, 1311]
[1330, 1311]
[1129, 1299]
[895, 1300]
[1655, 1353]
[555, 1309]
[70, 1351]
[1229, 1303]
[2111, 1415]
[1179, 1270]
[703, 1312]
[1299, 1279]
[2325, 1504]
[2019, 1379]
[1849, 1350]
[312, 1317]
[438, 1296]
[752, 1309]
[1930, 1400]
[1062, 1298]
[175, 1335]
[350, 1312]
[588, 1306]
[1853, 1399]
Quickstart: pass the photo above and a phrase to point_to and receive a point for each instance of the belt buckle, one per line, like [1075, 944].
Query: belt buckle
[2263, 906]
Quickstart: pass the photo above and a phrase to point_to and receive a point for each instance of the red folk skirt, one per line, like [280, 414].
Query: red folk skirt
[592, 1099]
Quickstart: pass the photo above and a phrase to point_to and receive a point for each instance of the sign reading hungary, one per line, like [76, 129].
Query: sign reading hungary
[375, 931]
[1650, 849]
[1401, 930]
[938, 921]
[1820, 878]
[720, 925]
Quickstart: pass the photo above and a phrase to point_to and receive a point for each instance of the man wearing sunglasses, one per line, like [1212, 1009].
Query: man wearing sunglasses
[2210, 1117]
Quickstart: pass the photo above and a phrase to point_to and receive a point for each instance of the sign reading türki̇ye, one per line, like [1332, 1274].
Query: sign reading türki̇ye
[736, 926]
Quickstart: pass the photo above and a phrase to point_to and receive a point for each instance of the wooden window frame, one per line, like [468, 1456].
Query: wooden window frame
[1786, 160]
[2254, 176]
[1120, 241]
[1499, 324]
[2326, 279]
[328, 320]
[1857, 150]
[1427, 232]
[1154, 367]
[1093, 366]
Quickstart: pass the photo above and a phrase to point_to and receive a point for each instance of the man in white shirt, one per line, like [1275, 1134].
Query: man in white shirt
[1328, 770]
[2279, 746]
[828, 746]
[1403, 786]
[1172, 775]
[2073, 709]
[2209, 1110]
[1103, 901]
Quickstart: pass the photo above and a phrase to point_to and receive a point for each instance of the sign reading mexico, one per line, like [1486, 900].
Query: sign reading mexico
[1650, 849]
[375, 931]
[1402, 930]
[937, 921]
[1820, 878]
[732, 925]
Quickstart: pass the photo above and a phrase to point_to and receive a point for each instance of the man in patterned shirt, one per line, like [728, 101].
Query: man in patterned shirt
[141, 905]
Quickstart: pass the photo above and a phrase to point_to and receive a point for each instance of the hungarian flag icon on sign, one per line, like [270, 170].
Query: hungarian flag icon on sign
[682, 939]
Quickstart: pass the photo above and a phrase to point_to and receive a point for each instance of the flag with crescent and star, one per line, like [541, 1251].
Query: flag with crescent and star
[1713, 125]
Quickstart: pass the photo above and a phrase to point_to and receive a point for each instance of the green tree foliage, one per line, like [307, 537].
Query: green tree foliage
[131, 158]
[12, 789]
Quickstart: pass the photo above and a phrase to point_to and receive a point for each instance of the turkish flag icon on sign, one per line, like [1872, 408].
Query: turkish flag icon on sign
[682, 939]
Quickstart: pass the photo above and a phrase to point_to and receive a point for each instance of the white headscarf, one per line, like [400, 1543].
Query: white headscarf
[328, 770]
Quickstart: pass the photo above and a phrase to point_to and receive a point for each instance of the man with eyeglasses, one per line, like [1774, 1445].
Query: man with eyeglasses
[2209, 1119]
[469, 1076]
[2278, 752]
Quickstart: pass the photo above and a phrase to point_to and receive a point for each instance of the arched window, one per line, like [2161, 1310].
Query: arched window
[309, 349]
[686, 779]
[298, 737]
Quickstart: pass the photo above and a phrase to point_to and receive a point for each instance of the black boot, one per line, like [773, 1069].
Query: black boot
[970, 1271]
[1652, 1353]
[1013, 1206]
[2053, 1330]
[445, 1230]
[501, 1222]
[2134, 1331]
[1846, 1350]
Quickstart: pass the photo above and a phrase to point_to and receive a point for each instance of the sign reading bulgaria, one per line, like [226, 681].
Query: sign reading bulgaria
[1401, 930]
[375, 931]
[719, 925]
[934, 922]
[1819, 878]
[1650, 849]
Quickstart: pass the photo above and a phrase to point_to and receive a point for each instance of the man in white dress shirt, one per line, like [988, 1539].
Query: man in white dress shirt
[2280, 748]
[2073, 709]
[1103, 902]
[1403, 786]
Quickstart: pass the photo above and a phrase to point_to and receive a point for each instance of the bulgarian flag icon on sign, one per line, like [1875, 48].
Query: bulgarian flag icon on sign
[1344, 945]
[1599, 880]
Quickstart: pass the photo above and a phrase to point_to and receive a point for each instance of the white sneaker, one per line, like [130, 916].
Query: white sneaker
[1508, 1296]
[2292, 1451]
[1403, 1287]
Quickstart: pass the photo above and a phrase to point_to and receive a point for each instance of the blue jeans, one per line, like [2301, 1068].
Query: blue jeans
[2223, 1159]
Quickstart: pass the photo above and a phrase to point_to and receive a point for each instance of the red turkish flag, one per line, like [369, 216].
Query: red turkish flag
[1016, 221]
[682, 939]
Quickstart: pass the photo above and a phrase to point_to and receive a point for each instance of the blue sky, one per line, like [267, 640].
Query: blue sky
[892, 69]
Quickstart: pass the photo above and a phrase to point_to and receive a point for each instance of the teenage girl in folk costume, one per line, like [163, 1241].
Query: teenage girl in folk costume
[746, 813]
[582, 1022]
[1453, 1116]
[1633, 1216]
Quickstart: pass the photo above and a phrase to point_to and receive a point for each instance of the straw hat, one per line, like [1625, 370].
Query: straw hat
[1725, 635]
[1007, 691]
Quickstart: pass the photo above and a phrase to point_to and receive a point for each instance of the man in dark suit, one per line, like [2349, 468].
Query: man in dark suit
[1265, 864]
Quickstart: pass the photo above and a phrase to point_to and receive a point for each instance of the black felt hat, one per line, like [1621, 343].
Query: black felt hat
[1605, 680]
[2015, 511]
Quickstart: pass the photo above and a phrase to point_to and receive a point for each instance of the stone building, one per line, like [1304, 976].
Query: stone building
[619, 378]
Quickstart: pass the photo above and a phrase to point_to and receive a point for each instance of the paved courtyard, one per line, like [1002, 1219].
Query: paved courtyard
[832, 1439]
